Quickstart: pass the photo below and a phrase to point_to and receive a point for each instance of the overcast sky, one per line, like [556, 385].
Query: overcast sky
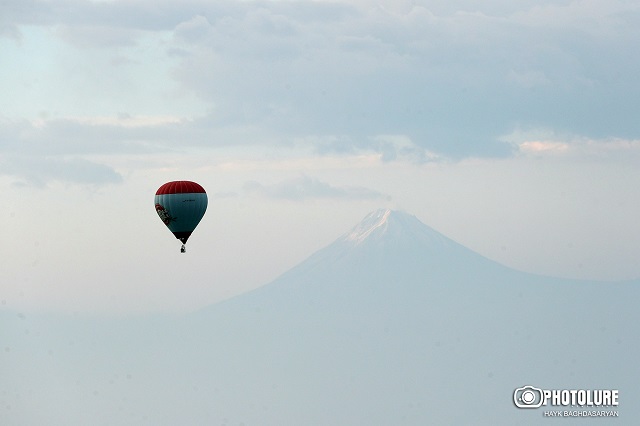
[510, 126]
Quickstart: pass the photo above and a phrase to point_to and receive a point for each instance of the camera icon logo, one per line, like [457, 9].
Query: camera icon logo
[528, 397]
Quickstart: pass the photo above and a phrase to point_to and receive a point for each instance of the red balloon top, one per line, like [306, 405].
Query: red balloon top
[180, 187]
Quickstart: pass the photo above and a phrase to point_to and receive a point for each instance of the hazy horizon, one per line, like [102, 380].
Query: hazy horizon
[393, 323]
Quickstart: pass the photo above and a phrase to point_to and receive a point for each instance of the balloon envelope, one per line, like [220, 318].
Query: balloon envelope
[181, 205]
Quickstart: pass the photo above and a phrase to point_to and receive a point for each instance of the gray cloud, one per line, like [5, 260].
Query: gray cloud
[56, 151]
[88, 36]
[452, 76]
[38, 171]
[454, 83]
[74, 137]
[305, 187]
[121, 134]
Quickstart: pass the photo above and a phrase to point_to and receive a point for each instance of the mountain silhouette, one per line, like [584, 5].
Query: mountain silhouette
[410, 327]
[391, 324]
[387, 251]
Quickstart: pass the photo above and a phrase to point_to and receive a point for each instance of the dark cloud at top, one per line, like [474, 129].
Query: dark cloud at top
[137, 14]
[452, 76]
[454, 83]
[103, 23]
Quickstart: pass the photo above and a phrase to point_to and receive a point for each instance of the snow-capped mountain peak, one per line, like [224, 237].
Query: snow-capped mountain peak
[374, 221]
[387, 225]
[385, 243]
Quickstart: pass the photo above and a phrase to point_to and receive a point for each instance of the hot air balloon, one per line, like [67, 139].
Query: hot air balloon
[181, 205]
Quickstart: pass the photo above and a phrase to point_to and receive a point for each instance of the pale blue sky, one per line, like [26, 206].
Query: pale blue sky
[510, 126]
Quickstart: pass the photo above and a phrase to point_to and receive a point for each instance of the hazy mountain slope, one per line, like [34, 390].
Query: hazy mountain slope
[412, 318]
[391, 324]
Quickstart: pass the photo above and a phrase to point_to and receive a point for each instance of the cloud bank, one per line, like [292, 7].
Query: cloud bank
[452, 79]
